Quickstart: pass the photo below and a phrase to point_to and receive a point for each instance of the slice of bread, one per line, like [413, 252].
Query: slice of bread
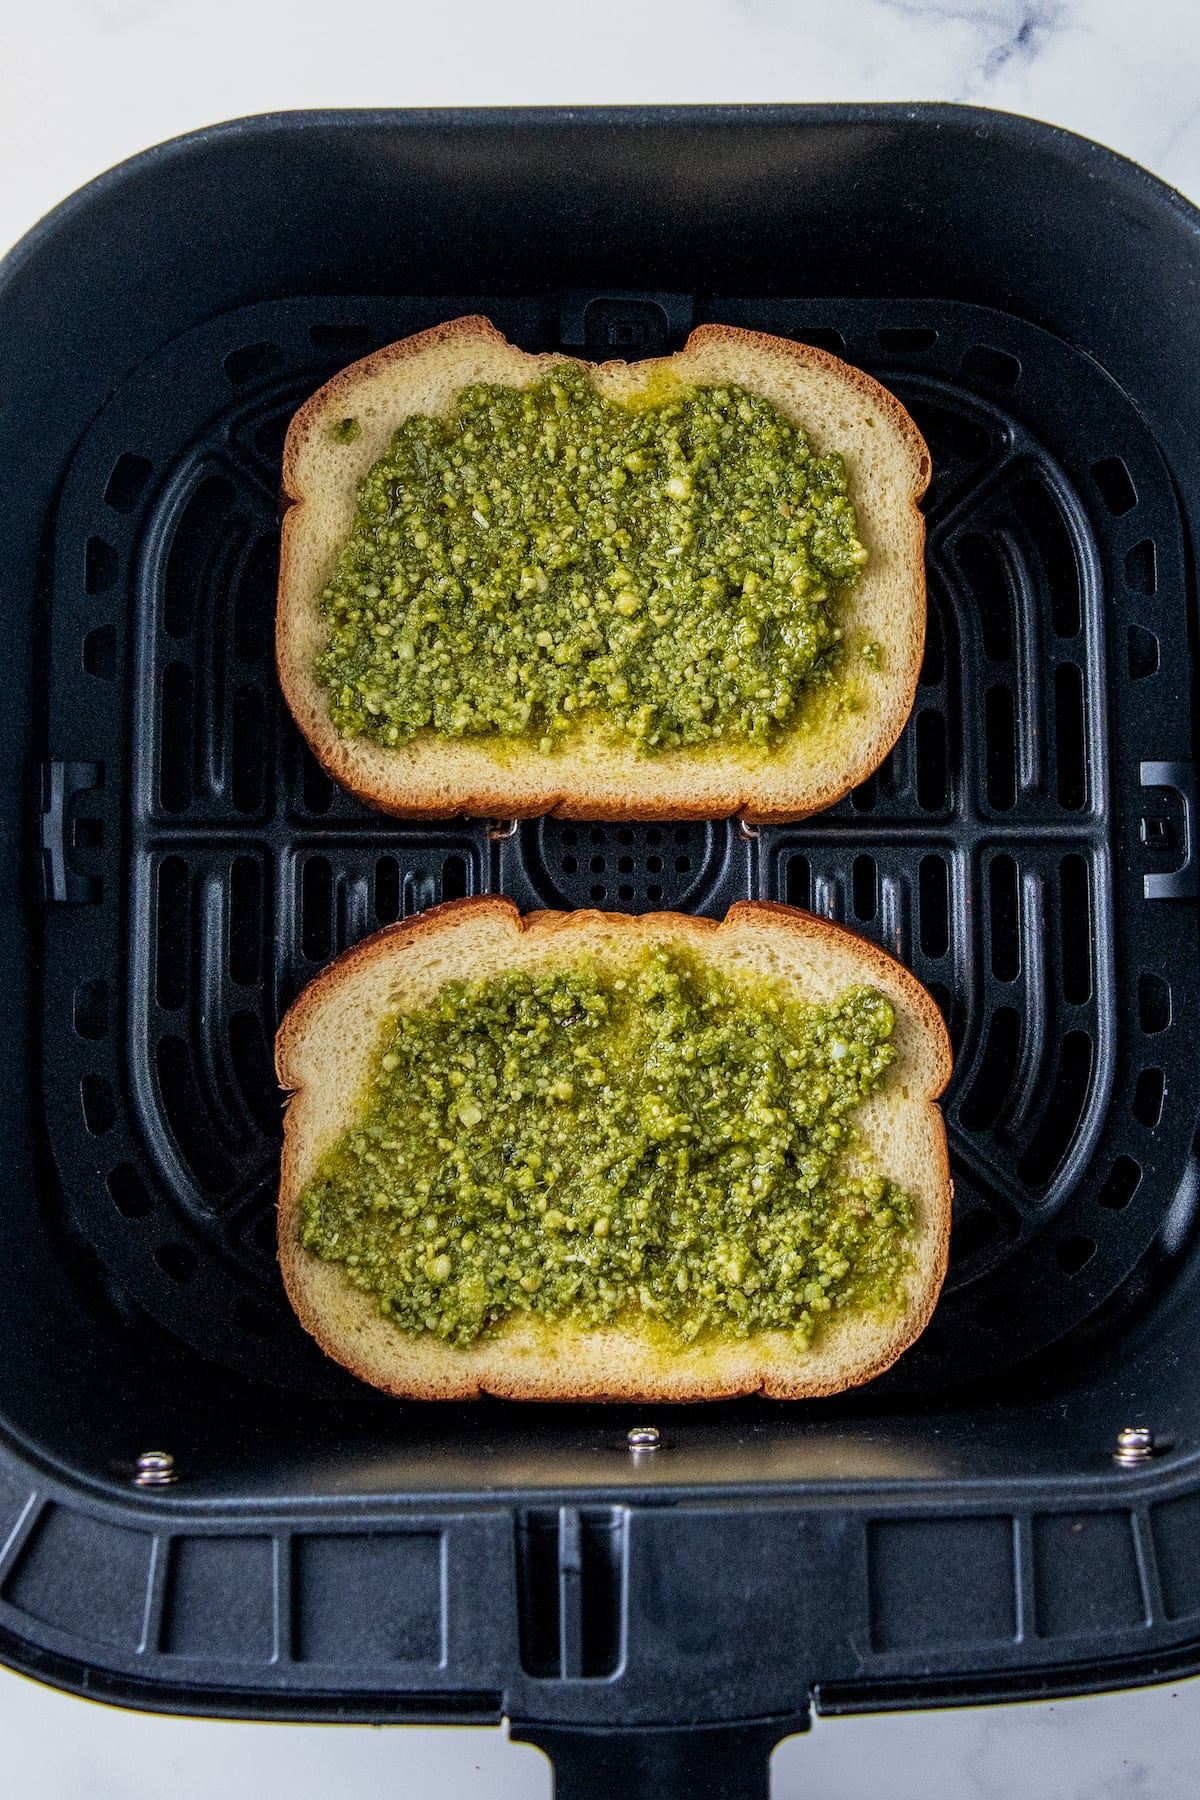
[596, 775]
[323, 1054]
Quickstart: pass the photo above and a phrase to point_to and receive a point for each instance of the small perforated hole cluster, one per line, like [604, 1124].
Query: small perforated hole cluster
[627, 868]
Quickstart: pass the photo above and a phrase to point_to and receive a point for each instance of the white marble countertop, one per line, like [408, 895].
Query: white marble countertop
[84, 83]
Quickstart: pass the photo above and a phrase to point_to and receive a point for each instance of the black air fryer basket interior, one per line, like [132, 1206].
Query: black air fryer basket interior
[178, 867]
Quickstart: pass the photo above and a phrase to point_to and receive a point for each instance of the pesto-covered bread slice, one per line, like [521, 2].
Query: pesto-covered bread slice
[594, 1156]
[579, 601]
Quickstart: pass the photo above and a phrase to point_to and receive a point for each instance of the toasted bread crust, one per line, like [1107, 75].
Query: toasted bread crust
[432, 777]
[531, 1359]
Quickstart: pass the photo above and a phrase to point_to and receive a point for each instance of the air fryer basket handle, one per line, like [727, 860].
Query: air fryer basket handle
[700, 1762]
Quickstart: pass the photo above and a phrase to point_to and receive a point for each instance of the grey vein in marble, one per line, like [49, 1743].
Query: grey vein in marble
[1007, 31]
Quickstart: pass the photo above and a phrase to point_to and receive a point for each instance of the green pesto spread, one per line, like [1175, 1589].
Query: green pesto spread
[546, 557]
[667, 1142]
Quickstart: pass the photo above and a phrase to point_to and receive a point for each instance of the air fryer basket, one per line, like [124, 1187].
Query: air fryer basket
[959, 1528]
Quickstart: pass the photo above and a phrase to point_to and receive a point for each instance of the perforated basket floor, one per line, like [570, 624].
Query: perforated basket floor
[1020, 848]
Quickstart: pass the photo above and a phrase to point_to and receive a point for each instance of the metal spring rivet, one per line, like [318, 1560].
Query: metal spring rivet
[643, 1437]
[155, 1468]
[1135, 1445]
